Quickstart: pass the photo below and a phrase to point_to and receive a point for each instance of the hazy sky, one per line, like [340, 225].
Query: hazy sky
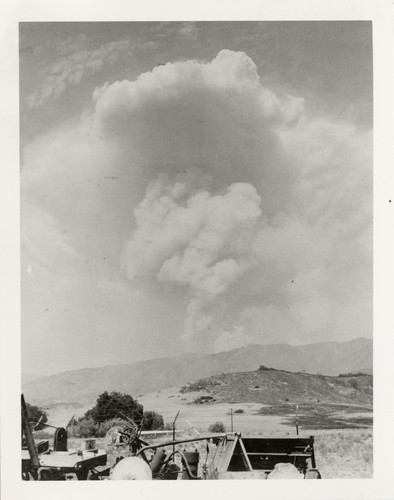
[193, 186]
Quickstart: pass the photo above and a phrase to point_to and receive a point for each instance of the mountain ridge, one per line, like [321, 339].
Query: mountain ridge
[84, 385]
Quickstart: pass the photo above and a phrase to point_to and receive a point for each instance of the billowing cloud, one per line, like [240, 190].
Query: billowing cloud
[197, 183]
[199, 240]
[214, 116]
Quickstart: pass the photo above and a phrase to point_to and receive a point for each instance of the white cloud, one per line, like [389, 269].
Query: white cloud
[221, 194]
[231, 79]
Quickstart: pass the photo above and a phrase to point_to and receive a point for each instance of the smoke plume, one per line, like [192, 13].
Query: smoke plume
[198, 240]
[238, 217]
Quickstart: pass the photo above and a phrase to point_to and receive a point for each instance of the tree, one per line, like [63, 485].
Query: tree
[152, 421]
[217, 427]
[34, 413]
[263, 368]
[111, 405]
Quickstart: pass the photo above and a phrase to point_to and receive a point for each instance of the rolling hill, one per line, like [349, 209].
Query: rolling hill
[277, 386]
[84, 385]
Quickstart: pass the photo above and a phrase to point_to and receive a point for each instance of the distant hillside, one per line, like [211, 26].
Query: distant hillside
[29, 377]
[276, 386]
[83, 386]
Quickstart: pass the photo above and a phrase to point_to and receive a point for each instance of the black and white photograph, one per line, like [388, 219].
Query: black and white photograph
[197, 250]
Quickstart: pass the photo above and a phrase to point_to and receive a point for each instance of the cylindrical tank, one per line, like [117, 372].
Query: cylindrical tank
[193, 459]
[131, 468]
[157, 461]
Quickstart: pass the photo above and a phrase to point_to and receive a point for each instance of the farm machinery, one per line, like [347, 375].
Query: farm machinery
[40, 462]
[219, 456]
[231, 456]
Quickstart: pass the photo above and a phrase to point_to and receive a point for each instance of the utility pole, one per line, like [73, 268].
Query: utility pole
[173, 431]
[231, 413]
[297, 419]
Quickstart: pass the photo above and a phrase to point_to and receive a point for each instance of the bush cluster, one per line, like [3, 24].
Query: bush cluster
[263, 368]
[87, 427]
[203, 399]
[217, 427]
[107, 413]
[152, 421]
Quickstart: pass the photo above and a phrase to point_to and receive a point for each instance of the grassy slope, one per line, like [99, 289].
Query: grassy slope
[321, 402]
[275, 386]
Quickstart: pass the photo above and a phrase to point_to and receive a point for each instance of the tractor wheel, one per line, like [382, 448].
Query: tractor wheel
[129, 434]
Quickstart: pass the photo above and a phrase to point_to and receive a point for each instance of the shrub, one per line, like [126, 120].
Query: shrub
[152, 421]
[263, 368]
[87, 427]
[202, 400]
[240, 410]
[83, 428]
[217, 427]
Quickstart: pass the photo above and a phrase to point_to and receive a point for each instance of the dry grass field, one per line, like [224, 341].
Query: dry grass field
[341, 453]
[344, 453]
